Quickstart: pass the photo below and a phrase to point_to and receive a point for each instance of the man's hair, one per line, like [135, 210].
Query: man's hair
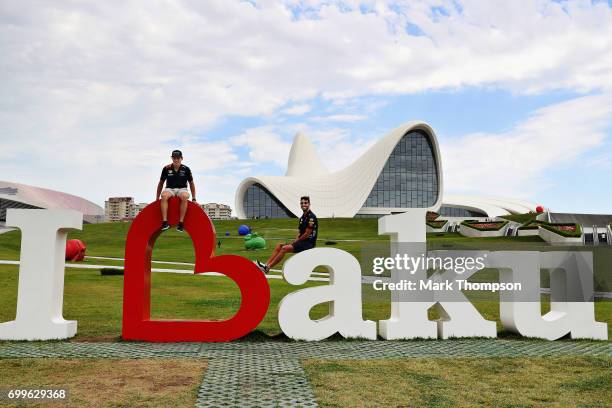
[306, 198]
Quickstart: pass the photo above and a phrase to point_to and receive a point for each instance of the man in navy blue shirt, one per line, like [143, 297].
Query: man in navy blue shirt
[308, 228]
[176, 176]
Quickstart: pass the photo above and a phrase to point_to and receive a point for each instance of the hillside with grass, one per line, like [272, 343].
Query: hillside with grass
[349, 234]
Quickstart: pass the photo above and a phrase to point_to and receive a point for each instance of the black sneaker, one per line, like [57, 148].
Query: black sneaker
[165, 226]
[264, 268]
[179, 227]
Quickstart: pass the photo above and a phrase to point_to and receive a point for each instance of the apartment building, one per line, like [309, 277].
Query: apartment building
[217, 211]
[118, 209]
[139, 207]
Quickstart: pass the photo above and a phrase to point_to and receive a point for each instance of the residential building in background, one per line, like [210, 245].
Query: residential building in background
[118, 209]
[217, 211]
[139, 207]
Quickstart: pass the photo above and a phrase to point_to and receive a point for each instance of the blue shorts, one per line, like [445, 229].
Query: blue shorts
[302, 246]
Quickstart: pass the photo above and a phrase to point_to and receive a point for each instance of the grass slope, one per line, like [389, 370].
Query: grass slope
[350, 234]
[96, 302]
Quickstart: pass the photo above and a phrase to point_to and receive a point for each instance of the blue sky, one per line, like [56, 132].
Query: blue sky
[519, 93]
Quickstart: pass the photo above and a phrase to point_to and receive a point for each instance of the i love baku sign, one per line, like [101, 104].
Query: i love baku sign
[41, 287]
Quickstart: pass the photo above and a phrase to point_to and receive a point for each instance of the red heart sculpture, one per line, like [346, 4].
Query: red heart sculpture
[137, 323]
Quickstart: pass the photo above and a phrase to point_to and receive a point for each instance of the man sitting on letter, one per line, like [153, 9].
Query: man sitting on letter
[306, 239]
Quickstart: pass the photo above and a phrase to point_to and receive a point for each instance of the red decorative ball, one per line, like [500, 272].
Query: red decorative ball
[75, 250]
[539, 209]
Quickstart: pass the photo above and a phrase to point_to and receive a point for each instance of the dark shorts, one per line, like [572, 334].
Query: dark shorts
[302, 246]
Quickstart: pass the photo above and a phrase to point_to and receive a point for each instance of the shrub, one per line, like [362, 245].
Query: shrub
[485, 226]
[430, 216]
[521, 218]
[110, 271]
[574, 232]
[437, 224]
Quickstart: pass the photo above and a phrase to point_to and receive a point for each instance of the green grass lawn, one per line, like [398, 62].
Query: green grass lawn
[95, 301]
[349, 234]
[521, 218]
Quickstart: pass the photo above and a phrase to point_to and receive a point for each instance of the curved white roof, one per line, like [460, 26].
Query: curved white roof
[303, 158]
[493, 207]
[44, 198]
[338, 194]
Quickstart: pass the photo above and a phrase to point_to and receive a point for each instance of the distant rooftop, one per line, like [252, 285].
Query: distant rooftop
[586, 220]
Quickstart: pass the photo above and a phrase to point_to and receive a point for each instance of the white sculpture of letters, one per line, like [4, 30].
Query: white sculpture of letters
[571, 285]
[409, 318]
[459, 317]
[41, 274]
[343, 293]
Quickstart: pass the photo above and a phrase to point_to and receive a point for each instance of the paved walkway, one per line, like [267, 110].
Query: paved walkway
[270, 373]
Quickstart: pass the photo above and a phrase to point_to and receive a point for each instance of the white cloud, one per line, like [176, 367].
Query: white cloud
[339, 118]
[264, 144]
[336, 147]
[110, 87]
[297, 109]
[514, 163]
[600, 162]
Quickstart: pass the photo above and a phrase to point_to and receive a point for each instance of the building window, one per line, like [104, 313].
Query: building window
[409, 178]
[447, 211]
[260, 203]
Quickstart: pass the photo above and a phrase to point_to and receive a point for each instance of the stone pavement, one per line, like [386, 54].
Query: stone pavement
[270, 373]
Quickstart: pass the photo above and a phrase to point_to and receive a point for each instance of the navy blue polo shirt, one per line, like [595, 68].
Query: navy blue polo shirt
[309, 220]
[176, 178]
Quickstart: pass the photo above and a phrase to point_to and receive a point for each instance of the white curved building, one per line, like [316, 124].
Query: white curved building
[402, 170]
[14, 195]
[476, 206]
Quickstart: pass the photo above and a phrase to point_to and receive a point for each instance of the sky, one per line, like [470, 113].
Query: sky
[95, 95]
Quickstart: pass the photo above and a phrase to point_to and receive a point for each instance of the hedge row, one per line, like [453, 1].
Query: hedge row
[568, 234]
[469, 223]
[110, 271]
[532, 225]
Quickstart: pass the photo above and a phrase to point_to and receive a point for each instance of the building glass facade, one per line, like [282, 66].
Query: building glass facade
[446, 211]
[258, 202]
[409, 178]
